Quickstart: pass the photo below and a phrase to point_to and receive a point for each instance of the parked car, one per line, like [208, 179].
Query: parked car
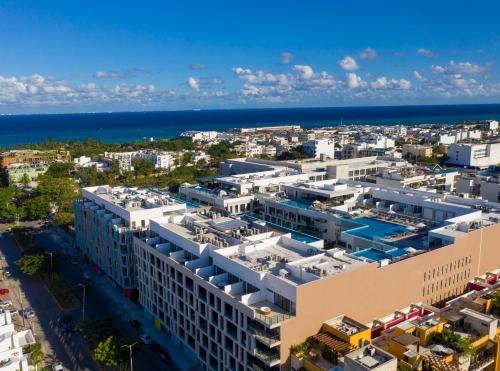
[28, 313]
[4, 291]
[7, 274]
[5, 304]
[146, 339]
[58, 367]
[135, 323]
[155, 347]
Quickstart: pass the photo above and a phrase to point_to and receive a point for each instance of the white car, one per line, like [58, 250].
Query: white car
[7, 274]
[88, 275]
[146, 339]
[5, 304]
[58, 367]
[28, 313]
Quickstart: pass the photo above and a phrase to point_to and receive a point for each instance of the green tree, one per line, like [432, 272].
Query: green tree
[496, 303]
[8, 208]
[35, 208]
[31, 264]
[108, 352]
[63, 219]
[142, 166]
[37, 355]
[26, 179]
[60, 169]
[221, 151]
[58, 191]
[186, 158]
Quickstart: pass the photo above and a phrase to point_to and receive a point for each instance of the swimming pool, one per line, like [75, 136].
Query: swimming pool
[375, 229]
[377, 255]
[302, 205]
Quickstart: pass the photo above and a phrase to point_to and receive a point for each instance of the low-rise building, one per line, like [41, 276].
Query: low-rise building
[485, 184]
[474, 155]
[319, 147]
[413, 151]
[12, 356]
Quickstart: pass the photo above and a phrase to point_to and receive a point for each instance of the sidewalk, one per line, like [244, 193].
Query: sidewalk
[123, 307]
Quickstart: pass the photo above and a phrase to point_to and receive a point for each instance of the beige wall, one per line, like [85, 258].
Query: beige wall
[370, 292]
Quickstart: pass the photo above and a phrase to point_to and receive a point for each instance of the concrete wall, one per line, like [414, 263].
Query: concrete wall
[370, 292]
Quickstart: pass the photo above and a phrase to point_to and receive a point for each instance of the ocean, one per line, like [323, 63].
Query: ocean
[132, 126]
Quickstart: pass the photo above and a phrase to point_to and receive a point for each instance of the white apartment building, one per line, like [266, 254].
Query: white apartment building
[480, 155]
[11, 345]
[107, 218]
[416, 177]
[485, 185]
[319, 147]
[159, 159]
[458, 135]
[222, 287]
[200, 136]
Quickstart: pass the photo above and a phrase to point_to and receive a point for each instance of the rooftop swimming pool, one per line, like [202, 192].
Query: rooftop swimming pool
[302, 237]
[376, 230]
[189, 204]
[300, 204]
[378, 255]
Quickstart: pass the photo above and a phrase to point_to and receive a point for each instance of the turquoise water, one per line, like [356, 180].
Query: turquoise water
[302, 205]
[378, 255]
[375, 229]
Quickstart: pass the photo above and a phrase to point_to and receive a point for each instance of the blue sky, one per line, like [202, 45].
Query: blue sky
[80, 56]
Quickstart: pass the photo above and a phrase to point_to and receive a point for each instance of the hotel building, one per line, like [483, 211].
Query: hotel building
[107, 218]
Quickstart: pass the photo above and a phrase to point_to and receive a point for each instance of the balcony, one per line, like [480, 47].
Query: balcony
[269, 338]
[270, 359]
[271, 318]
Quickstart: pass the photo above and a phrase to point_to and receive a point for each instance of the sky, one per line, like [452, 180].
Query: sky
[100, 56]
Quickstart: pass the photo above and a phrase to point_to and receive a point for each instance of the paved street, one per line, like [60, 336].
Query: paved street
[32, 292]
[105, 300]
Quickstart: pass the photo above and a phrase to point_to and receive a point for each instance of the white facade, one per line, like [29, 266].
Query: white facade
[11, 345]
[316, 148]
[474, 155]
[458, 135]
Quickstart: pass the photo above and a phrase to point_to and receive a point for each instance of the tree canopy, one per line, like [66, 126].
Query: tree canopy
[31, 264]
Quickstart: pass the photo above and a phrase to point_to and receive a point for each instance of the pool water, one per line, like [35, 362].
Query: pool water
[377, 255]
[375, 229]
[302, 205]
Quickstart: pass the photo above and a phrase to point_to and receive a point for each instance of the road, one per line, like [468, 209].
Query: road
[97, 304]
[30, 291]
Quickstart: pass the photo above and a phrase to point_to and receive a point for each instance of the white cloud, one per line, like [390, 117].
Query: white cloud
[348, 63]
[193, 83]
[306, 71]
[38, 90]
[418, 76]
[354, 81]
[286, 57]
[426, 52]
[368, 53]
[385, 83]
[461, 67]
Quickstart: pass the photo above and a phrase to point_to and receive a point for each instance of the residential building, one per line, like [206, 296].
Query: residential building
[107, 218]
[474, 155]
[416, 177]
[414, 151]
[33, 157]
[319, 147]
[200, 136]
[159, 159]
[12, 357]
[459, 135]
[485, 184]
[18, 173]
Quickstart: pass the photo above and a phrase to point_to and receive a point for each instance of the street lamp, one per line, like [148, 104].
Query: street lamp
[130, 353]
[84, 286]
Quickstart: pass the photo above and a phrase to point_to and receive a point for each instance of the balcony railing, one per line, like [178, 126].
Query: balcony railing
[265, 337]
[272, 319]
[269, 359]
